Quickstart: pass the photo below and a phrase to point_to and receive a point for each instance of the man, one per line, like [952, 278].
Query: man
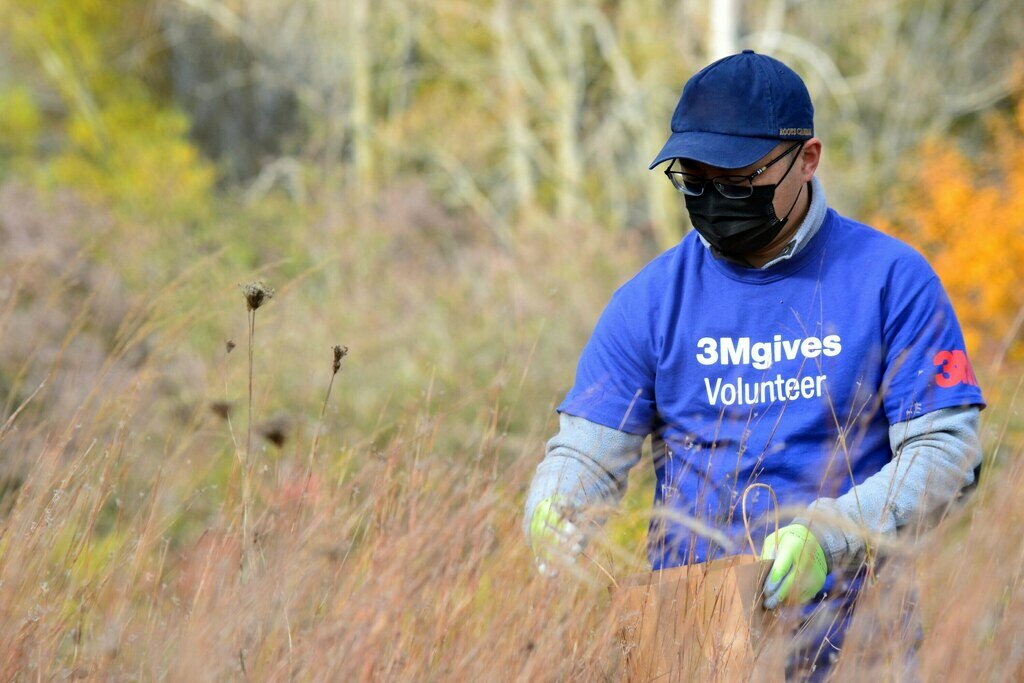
[778, 344]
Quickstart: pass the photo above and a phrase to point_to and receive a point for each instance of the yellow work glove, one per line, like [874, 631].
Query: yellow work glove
[799, 568]
[555, 540]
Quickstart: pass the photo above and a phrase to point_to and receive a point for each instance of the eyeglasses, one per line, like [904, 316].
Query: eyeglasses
[729, 186]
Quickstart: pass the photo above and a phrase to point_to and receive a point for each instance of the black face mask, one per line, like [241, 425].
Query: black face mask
[738, 226]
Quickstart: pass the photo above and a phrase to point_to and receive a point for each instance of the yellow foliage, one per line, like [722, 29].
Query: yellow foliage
[143, 164]
[967, 217]
[19, 121]
[121, 142]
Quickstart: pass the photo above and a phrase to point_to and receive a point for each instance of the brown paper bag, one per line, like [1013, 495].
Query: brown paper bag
[698, 622]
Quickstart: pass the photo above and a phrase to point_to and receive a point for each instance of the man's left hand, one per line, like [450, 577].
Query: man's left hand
[799, 567]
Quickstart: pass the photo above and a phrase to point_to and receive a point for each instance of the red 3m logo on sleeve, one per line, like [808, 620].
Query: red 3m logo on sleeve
[954, 369]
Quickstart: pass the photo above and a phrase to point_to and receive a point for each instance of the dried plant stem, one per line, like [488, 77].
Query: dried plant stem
[14, 416]
[319, 426]
[247, 465]
[256, 294]
[339, 353]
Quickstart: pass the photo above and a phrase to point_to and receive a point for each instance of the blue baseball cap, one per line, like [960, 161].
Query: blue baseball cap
[734, 111]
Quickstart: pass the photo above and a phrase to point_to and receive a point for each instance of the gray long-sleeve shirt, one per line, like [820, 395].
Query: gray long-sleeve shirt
[935, 456]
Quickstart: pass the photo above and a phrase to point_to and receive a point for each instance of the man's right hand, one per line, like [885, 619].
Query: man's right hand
[555, 539]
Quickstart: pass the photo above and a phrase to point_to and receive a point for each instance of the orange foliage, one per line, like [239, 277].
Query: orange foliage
[967, 217]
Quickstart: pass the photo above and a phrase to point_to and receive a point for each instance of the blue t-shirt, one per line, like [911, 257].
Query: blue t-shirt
[788, 376]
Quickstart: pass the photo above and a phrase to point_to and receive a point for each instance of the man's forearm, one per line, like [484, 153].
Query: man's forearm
[935, 457]
[586, 462]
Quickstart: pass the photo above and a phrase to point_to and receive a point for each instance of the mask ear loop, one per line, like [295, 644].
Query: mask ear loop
[793, 205]
[746, 521]
[795, 199]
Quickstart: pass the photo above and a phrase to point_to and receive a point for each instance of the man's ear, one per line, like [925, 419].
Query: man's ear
[810, 156]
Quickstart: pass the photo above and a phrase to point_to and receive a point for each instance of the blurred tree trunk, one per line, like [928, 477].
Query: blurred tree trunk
[568, 84]
[723, 29]
[513, 108]
[360, 112]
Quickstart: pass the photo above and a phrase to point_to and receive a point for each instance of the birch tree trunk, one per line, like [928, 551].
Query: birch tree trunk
[724, 28]
[513, 109]
[569, 96]
[360, 112]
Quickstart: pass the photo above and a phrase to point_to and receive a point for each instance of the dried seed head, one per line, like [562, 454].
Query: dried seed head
[230, 346]
[276, 428]
[339, 353]
[257, 293]
[221, 409]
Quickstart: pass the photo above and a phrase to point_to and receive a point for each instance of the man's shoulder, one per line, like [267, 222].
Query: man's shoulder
[877, 249]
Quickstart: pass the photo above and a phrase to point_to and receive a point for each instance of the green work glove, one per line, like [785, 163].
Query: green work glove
[553, 536]
[799, 570]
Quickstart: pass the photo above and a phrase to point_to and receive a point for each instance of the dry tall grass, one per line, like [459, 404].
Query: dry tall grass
[396, 553]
